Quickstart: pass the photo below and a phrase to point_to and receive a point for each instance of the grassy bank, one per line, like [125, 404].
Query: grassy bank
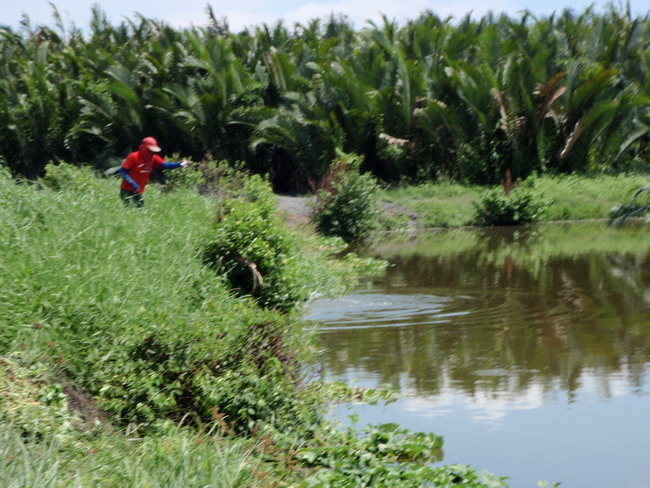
[570, 197]
[138, 348]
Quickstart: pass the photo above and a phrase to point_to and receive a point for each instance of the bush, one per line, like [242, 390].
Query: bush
[184, 178]
[64, 176]
[239, 372]
[346, 201]
[222, 178]
[254, 252]
[515, 208]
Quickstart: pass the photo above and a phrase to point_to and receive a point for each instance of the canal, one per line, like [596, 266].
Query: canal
[527, 350]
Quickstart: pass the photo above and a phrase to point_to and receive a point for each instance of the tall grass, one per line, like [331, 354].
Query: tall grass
[177, 459]
[81, 264]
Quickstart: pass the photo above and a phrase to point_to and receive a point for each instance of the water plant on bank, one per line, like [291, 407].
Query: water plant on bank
[635, 207]
[387, 455]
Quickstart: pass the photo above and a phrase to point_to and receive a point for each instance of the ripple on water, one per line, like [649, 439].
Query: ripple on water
[366, 310]
[372, 310]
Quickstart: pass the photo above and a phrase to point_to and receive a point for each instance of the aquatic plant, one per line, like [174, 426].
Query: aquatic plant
[620, 213]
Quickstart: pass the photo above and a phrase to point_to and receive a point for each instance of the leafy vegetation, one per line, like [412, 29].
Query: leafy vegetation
[346, 202]
[64, 176]
[387, 455]
[620, 213]
[562, 197]
[32, 403]
[196, 382]
[433, 98]
[252, 250]
[515, 207]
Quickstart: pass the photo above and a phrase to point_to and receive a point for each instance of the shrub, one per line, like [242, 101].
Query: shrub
[346, 201]
[190, 177]
[218, 177]
[64, 176]
[240, 372]
[257, 387]
[254, 252]
[516, 208]
[511, 205]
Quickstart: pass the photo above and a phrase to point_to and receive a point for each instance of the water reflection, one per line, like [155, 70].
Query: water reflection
[497, 311]
[501, 328]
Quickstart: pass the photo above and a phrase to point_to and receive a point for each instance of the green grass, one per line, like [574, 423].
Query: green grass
[119, 304]
[177, 459]
[580, 197]
[119, 301]
[568, 197]
[436, 204]
[85, 257]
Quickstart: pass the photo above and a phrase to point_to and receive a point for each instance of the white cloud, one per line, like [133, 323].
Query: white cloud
[254, 12]
[357, 11]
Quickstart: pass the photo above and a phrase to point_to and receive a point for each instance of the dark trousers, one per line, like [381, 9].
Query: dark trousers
[132, 198]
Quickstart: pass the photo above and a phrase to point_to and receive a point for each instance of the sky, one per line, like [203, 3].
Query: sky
[246, 13]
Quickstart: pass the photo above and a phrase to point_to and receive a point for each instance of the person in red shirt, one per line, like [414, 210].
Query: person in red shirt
[137, 167]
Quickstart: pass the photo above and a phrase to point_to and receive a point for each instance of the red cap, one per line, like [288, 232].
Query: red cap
[151, 144]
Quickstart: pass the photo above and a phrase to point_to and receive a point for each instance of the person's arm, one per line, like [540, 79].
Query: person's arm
[159, 163]
[128, 179]
[166, 165]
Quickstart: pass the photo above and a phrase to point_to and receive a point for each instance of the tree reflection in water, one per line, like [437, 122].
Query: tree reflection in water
[497, 312]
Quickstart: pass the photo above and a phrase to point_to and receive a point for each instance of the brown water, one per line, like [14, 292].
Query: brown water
[529, 351]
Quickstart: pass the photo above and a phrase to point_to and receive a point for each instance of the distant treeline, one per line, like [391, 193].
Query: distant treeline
[462, 99]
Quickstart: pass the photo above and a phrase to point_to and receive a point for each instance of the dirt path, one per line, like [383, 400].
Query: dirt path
[296, 210]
